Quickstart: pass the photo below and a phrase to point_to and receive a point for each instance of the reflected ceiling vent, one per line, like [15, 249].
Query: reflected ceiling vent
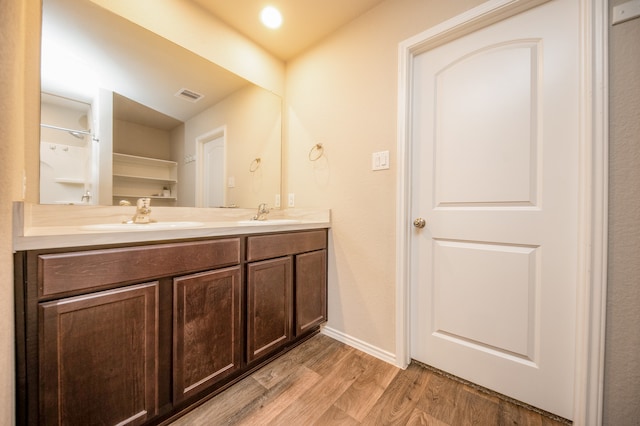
[189, 95]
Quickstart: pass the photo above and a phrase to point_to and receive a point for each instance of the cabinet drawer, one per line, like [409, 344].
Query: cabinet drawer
[269, 246]
[69, 272]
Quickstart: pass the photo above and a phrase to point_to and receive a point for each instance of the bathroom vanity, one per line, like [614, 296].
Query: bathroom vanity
[137, 331]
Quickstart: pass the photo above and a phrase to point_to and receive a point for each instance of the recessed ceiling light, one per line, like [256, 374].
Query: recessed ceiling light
[271, 17]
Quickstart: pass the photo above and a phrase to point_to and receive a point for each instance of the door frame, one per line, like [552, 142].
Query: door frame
[593, 186]
[220, 132]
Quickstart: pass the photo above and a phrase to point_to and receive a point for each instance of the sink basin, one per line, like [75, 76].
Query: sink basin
[155, 226]
[269, 222]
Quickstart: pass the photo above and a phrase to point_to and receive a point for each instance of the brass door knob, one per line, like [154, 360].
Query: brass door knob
[419, 223]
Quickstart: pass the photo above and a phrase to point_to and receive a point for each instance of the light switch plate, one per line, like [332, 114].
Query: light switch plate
[380, 160]
[277, 201]
[292, 200]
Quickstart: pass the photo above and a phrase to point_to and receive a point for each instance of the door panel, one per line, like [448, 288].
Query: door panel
[207, 328]
[98, 357]
[504, 76]
[310, 290]
[495, 174]
[214, 173]
[501, 276]
[269, 306]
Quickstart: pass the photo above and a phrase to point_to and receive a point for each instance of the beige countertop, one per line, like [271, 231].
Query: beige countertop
[38, 226]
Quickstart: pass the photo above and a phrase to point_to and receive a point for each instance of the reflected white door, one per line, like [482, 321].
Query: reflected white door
[214, 173]
[495, 175]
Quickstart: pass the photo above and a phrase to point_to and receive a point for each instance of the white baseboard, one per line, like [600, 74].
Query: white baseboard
[362, 346]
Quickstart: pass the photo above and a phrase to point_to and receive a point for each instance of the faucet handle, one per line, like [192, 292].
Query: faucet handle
[86, 196]
[142, 211]
[262, 212]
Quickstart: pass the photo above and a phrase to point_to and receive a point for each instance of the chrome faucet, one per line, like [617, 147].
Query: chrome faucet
[263, 211]
[86, 197]
[143, 212]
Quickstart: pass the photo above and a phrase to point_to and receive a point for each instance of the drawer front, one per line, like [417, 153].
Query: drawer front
[269, 246]
[68, 272]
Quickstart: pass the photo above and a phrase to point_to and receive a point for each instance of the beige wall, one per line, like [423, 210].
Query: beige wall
[622, 354]
[343, 93]
[143, 141]
[19, 117]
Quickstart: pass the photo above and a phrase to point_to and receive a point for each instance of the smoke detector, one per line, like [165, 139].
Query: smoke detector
[189, 95]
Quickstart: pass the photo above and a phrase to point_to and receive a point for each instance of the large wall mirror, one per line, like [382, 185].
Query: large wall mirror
[126, 113]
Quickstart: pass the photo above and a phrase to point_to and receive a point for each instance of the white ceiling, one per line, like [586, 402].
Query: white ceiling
[305, 22]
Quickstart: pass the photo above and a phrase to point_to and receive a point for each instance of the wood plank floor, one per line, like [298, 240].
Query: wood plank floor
[325, 382]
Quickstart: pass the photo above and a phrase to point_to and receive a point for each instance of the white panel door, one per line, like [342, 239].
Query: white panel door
[214, 173]
[494, 133]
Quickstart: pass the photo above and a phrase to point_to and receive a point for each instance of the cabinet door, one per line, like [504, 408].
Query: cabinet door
[98, 357]
[311, 290]
[269, 310]
[207, 327]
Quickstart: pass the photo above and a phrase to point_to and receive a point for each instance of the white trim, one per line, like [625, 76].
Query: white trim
[403, 209]
[359, 344]
[200, 142]
[591, 298]
[474, 19]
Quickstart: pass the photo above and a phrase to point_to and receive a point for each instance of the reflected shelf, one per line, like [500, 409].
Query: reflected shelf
[69, 181]
[154, 197]
[144, 178]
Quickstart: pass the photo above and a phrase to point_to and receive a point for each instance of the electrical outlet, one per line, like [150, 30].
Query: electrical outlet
[292, 200]
[277, 201]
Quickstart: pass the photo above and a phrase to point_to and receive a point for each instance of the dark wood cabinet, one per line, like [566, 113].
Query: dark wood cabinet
[283, 304]
[311, 290]
[76, 272]
[207, 329]
[137, 334]
[98, 357]
[269, 306]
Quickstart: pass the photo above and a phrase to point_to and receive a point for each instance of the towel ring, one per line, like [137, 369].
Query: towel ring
[255, 165]
[316, 152]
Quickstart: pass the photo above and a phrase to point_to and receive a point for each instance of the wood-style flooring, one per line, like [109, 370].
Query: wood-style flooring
[325, 382]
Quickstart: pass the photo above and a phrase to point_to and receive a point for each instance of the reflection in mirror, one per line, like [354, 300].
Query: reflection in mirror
[66, 155]
[160, 121]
